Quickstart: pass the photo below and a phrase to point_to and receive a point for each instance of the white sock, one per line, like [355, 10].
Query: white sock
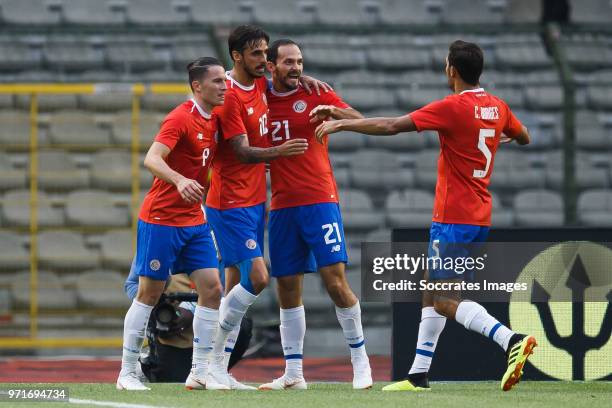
[475, 317]
[205, 323]
[236, 304]
[231, 338]
[350, 321]
[134, 326]
[230, 343]
[292, 330]
[430, 328]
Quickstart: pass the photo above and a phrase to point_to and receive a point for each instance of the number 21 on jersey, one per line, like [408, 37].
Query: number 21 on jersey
[277, 126]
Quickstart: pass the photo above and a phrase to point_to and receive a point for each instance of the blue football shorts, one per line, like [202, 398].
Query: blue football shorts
[239, 232]
[305, 238]
[453, 243]
[162, 250]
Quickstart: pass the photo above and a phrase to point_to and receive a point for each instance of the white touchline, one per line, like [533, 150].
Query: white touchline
[110, 404]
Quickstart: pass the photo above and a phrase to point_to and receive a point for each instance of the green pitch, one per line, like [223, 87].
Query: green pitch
[320, 395]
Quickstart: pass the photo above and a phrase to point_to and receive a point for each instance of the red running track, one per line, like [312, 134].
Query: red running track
[250, 370]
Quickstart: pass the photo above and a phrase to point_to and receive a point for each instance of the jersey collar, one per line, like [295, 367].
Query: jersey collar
[204, 114]
[291, 92]
[238, 84]
[477, 90]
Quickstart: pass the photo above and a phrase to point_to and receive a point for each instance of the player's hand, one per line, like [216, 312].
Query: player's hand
[321, 112]
[309, 83]
[293, 147]
[326, 128]
[190, 190]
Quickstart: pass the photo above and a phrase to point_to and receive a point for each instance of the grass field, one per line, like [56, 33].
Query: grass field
[320, 395]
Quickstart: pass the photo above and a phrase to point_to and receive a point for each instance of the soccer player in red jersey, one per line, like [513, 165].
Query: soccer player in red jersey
[235, 204]
[471, 123]
[172, 232]
[305, 225]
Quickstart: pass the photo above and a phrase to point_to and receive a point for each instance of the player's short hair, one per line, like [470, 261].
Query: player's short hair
[245, 36]
[468, 60]
[273, 49]
[197, 68]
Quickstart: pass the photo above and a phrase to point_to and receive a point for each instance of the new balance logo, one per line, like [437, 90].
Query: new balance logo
[250, 111]
[200, 136]
[336, 248]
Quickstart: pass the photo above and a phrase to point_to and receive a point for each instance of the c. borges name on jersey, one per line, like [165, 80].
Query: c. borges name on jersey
[486, 112]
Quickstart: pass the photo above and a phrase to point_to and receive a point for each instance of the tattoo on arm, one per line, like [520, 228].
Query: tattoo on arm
[250, 154]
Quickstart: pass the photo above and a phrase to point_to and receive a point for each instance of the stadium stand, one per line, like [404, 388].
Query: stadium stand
[538, 207]
[59, 171]
[51, 293]
[116, 249]
[65, 250]
[595, 208]
[108, 293]
[11, 176]
[16, 210]
[13, 254]
[409, 208]
[82, 204]
[384, 57]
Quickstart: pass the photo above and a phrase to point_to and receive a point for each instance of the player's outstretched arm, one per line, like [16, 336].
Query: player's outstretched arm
[155, 160]
[369, 126]
[324, 112]
[250, 154]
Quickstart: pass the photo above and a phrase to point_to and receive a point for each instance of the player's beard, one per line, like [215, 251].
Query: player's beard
[254, 73]
[287, 80]
[290, 85]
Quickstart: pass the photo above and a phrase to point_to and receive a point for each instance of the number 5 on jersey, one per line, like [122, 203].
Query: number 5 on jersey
[482, 146]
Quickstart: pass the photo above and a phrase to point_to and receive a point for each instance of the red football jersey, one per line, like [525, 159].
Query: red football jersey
[245, 111]
[308, 178]
[191, 134]
[469, 125]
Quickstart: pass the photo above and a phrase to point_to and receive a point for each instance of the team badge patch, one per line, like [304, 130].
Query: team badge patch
[154, 265]
[251, 244]
[299, 106]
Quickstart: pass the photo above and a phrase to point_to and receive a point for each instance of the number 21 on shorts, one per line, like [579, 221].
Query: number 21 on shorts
[329, 232]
